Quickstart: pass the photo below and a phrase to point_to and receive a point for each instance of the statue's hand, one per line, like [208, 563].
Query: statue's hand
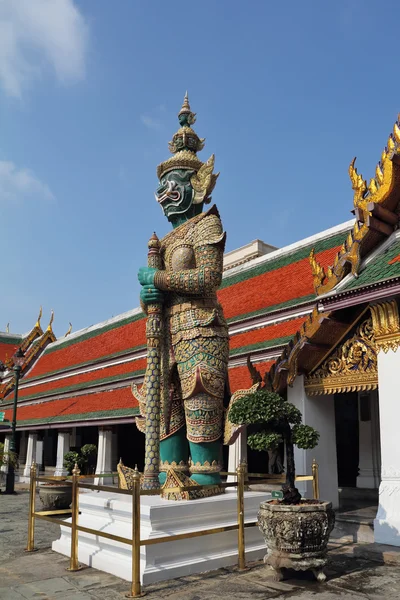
[149, 295]
[146, 276]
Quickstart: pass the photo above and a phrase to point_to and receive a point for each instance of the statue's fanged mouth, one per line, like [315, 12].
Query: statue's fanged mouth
[171, 194]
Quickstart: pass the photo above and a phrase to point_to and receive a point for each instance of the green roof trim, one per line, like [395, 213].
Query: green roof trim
[286, 259]
[378, 269]
[100, 414]
[274, 307]
[91, 334]
[83, 386]
[261, 345]
[11, 339]
[87, 363]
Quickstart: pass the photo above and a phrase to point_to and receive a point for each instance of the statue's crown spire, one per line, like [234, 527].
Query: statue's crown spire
[184, 145]
[185, 115]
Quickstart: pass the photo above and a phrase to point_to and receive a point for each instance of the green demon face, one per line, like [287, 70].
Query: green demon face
[175, 193]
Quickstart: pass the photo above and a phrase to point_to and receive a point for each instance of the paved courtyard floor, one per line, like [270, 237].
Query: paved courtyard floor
[353, 574]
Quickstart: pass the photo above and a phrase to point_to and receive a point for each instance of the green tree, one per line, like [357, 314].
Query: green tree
[279, 421]
[84, 459]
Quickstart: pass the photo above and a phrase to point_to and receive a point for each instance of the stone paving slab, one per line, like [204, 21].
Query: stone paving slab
[355, 572]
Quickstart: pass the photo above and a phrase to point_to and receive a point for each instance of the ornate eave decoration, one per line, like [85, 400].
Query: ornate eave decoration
[33, 343]
[374, 210]
[351, 367]
[287, 364]
[386, 324]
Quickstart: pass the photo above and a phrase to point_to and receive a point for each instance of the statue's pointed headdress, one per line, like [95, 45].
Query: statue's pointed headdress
[184, 146]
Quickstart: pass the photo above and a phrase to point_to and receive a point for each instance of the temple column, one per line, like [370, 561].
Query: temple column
[23, 448]
[237, 454]
[104, 456]
[386, 326]
[30, 453]
[319, 412]
[63, 445]
[387, 522]
[4, 468]
[40, 454]
[114, 451]
[369, 451]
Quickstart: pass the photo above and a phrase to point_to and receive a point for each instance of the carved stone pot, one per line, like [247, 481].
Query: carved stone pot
[55, 496]
[296, 535]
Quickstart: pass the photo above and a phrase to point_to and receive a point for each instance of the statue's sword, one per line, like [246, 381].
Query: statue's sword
[154, 333]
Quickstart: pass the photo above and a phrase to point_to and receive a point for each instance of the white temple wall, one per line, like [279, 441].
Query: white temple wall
[387, 522]
[369, 440]
[319, 412]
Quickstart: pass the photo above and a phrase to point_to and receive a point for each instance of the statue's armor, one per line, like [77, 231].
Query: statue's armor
[196, 330]
[194, 334]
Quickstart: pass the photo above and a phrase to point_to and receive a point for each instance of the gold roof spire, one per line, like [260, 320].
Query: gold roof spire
[49, 326]
[39, 317]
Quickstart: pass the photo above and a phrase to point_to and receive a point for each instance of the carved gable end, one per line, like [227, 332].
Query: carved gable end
[352, 366]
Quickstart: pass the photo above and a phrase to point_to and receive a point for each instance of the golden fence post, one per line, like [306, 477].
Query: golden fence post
[31, 519]
[73, 563]
[315, 479]
[136, 587]
[241, 472]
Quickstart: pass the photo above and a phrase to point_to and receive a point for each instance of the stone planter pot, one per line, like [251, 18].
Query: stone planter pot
[55, 496]
[296, 536]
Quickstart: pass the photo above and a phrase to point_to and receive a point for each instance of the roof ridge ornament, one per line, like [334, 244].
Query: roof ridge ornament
[49, 326]
[69, 330]
[38, 319]
[8, 328]
[374, 207]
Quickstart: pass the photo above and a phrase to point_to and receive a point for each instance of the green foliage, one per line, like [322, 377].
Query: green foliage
[264, 441]
[305, 437]
[89, 450]
[264, 407]
[84, 458]
[70, 458]
[8, 458]
[283, 423]
[282, 418]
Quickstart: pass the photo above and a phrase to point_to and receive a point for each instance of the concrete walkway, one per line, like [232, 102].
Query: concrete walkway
[355, 572]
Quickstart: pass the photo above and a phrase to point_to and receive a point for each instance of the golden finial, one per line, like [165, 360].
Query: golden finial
[185, 106]
[39, 317]
[8, 328]
[185, 115]
[69, 330]
[396, 130]
[49, 326]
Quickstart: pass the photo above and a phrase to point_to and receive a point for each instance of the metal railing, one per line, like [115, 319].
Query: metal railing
[243, 479]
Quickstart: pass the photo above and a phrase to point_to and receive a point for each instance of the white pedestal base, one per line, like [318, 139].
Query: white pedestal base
[387, 522]
[112, 513]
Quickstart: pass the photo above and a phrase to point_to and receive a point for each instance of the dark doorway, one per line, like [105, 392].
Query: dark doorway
[347, 438]
[131, 446]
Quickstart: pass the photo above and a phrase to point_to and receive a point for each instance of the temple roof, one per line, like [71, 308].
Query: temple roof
[382, 265]
[105, 404]
[9, 344]
[92, 369]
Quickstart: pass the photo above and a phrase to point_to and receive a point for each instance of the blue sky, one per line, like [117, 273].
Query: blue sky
[286, 93]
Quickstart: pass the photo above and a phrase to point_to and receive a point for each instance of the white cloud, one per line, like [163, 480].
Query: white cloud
[38, 33]
[150, 122]
[17, 184]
